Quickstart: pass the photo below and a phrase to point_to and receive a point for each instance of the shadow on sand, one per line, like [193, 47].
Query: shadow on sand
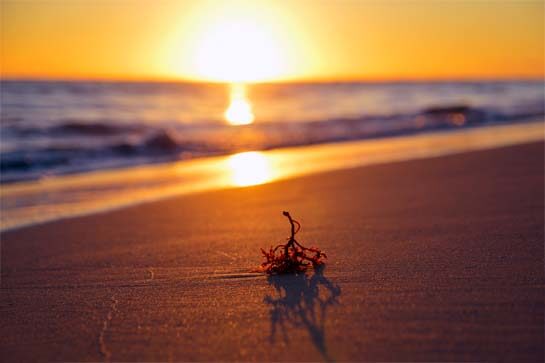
[302, 301]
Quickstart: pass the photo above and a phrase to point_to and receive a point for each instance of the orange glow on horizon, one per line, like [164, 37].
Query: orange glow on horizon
[267, 40]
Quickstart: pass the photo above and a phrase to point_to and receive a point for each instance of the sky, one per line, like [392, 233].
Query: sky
[245, 41]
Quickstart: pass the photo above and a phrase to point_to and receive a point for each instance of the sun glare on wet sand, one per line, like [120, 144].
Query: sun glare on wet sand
[249, 168]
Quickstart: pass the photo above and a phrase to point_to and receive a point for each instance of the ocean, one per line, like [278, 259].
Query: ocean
[51, 128]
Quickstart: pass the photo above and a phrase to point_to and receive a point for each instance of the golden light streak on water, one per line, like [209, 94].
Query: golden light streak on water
[239, 111]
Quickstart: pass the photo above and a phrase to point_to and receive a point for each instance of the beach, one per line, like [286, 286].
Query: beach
[439, 259]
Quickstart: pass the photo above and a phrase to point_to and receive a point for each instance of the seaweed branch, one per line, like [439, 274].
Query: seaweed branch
[291, 257]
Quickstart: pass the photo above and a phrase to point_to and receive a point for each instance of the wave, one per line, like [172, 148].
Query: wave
[75, 146]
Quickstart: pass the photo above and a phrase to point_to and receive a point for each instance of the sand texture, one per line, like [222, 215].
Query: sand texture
[429, 260]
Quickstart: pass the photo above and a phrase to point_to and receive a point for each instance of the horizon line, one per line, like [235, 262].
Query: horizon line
[343, 79]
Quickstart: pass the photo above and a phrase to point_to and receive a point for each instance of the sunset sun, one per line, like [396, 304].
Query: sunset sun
[238, 48]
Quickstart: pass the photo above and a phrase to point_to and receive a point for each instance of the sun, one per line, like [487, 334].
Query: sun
[238, 46]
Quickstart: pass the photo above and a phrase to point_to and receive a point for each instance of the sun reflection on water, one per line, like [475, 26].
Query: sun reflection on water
[250, 168]
[239, 111]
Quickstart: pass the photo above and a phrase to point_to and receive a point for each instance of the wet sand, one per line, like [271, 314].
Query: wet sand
[429, 260]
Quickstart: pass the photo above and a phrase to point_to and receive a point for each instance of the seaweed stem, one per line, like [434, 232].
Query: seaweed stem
[294, 257]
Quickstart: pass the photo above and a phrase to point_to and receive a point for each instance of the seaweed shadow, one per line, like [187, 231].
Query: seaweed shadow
[302, 302]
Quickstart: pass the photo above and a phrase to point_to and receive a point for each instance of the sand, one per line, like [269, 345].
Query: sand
[429, 260]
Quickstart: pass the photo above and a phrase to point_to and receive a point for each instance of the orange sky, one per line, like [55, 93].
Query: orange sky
[272, 40]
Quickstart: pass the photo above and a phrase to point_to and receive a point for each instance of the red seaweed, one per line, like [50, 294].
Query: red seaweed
[291, 257]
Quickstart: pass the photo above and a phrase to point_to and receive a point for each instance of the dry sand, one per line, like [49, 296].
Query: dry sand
[430, 260]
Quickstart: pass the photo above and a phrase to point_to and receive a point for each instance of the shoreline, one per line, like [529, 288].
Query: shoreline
[437, 259]
[106, 190]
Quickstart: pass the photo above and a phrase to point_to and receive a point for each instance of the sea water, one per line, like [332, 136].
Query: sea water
[51, 128]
